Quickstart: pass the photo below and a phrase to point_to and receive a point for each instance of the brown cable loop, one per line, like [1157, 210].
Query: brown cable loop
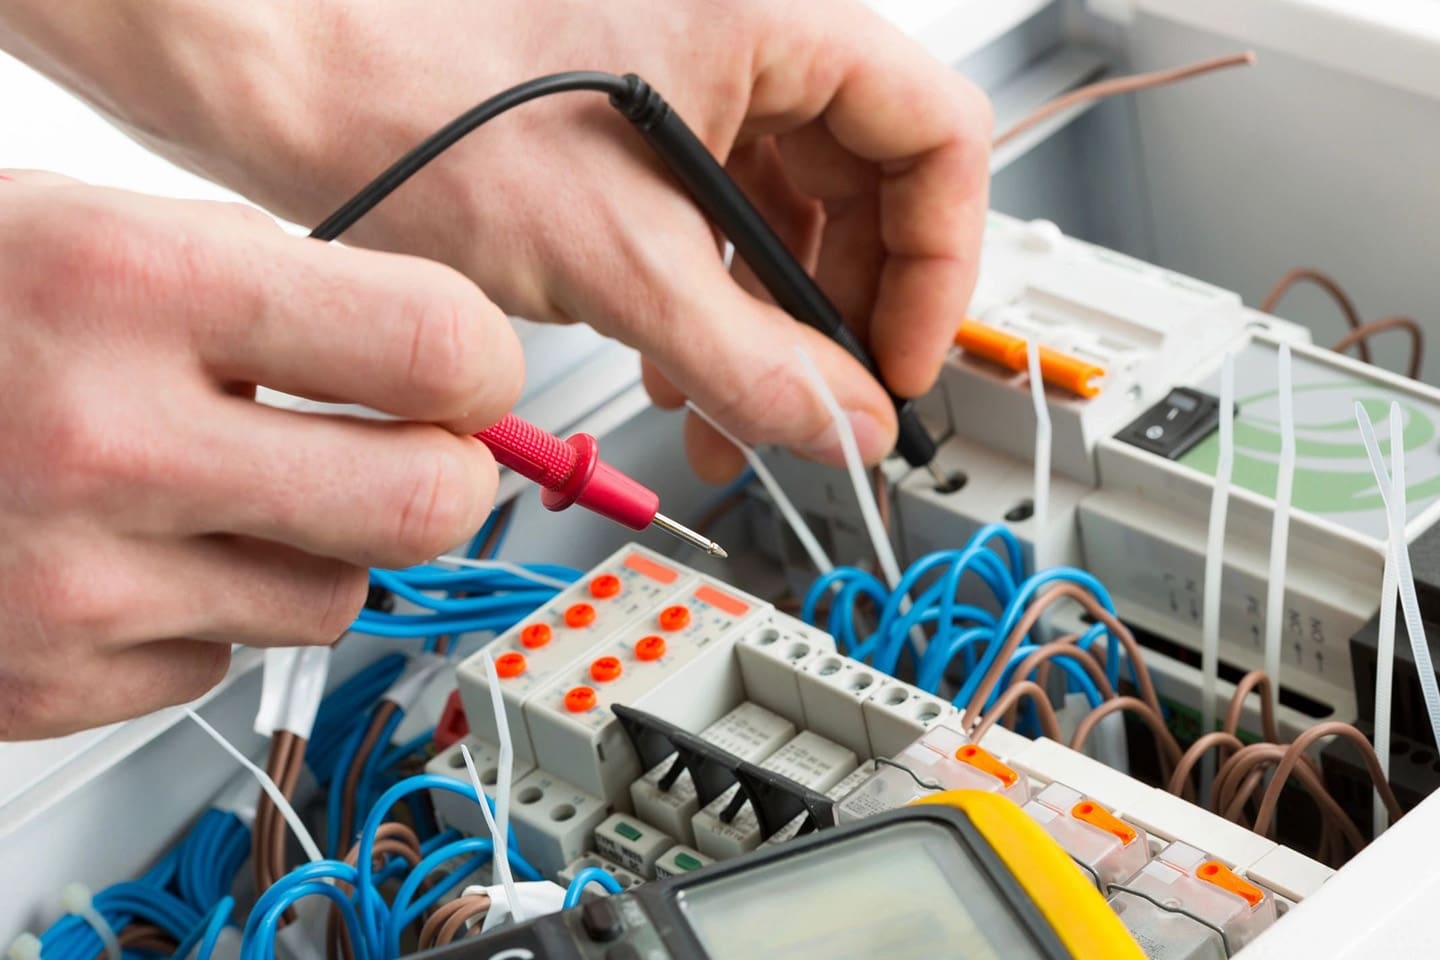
[1292, 756]
[1361, 335]
[1259, 681]
[1010, 699]
[1325, 282]
[1164, 740]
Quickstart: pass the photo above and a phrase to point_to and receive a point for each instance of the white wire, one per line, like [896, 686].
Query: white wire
[1399, 554]
[307, 843]
[802, 531]
[1215, 556]
[869, 510]
[1400, 547]
[499, 820]
[503, 565]
[1040, 502]
[1280, 526]
[1385, 643]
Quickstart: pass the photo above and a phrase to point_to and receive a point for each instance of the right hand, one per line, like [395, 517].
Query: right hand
[151, 513]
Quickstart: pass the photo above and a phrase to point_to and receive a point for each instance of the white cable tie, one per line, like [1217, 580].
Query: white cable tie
[24, 947]
[1040, 500]
[1214, 561]
[499, 821]
[869, 509]
[1400, 554]
[76, 899]
[506, 566]
[783, 503]
[1409, 602]
[1280, 525]
[307, 843]
[532, 899]
[419, 671]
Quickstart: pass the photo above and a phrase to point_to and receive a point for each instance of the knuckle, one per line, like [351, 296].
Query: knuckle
[439, 504]
[449, 359]
[66, 598]
[206, 666]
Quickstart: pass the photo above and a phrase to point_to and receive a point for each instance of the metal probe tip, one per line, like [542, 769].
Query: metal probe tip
[935, 474]
[682, 532]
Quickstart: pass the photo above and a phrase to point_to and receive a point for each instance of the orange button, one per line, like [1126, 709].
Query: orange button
[579, 699]
[1088, 811]
[605, 669]
[1213, 871]
[536, 635]
[579, 615]
[983, 760]
[605, 586]
[674, 618]
[510, 665]
[650, 648]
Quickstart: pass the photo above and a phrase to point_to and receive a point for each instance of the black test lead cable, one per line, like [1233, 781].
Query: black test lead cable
[717, 195]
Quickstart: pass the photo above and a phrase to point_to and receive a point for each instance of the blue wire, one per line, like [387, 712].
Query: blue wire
[335, 799]
[372, 762]
[402, 914]
[414, 745]
[218, 919]
[583, 879]
[263, 941]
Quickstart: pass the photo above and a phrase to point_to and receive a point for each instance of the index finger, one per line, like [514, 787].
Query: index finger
[926, 130]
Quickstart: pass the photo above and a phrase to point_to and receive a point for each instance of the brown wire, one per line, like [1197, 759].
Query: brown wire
[350, 794]
[476, 906]
[1297, 749]
[143, 936]
[1333, 816]
[1065, 647]
[1360, 337]
[1117, 86]
[390, 838]
[1006, 703]
[1164, 740]
[1259, 681]
[1180, 784]
[1325, 282]
[1027, 622]
[265, 871]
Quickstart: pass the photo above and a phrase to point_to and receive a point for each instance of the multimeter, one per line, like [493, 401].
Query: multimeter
[960, 875]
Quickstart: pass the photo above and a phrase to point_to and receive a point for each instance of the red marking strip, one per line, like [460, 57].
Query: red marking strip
[649, 568]
[722, 601]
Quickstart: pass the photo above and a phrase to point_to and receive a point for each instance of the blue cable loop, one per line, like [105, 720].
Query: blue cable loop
[262, 942]
[402, 913]
[585, 877]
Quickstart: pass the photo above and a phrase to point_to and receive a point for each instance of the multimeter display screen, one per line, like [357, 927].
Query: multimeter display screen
[906, 893]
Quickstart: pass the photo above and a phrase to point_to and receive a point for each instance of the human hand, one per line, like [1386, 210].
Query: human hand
[151, 513]
[868, 157]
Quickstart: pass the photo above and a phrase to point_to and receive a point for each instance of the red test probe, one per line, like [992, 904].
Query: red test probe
[571, 471]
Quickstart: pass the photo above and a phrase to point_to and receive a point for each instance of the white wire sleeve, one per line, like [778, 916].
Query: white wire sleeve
[292, 685]
[783, 503]
[869, 510]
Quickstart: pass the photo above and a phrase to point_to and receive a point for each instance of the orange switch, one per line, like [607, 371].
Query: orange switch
[1056, 368]
[985, 761]
[510, 665]
[1213, 871]
[579, 615]
[536, 635]
[1088, 811]
[605, 669]
[674, 618]
[605, 586]
[580, 699]
[649, 648]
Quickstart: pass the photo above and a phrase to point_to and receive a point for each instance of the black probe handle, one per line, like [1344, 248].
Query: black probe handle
[767, 256]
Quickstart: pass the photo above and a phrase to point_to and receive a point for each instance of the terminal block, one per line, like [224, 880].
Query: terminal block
[1184, 903]
[1107, 847]
[942, 759]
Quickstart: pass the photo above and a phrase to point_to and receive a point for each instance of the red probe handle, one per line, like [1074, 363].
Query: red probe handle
[570, 471]
[535, 454]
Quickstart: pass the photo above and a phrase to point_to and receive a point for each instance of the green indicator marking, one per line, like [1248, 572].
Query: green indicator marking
[686, 862]
[627, 831]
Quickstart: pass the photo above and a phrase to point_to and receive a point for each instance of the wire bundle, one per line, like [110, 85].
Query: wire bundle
[182, 900]
[485, 597]
[972, 633]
